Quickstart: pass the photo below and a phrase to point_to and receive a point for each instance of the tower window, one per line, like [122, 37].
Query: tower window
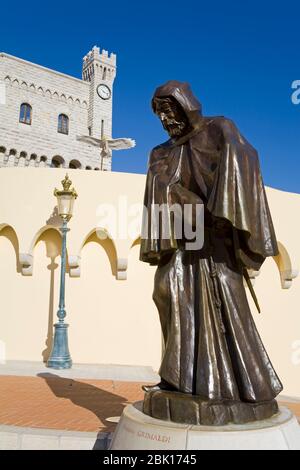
[25, 113]
[63, 124]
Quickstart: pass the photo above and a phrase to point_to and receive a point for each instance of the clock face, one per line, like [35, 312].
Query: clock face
[104, 91]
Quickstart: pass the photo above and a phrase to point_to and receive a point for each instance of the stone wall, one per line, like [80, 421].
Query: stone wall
[112, 317]
[50, 94]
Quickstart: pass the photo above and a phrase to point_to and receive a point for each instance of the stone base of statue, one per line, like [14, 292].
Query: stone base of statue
[184, 408]
[137, 431]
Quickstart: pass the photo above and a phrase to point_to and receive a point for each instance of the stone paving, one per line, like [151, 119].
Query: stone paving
[42, 408]
[53, 402]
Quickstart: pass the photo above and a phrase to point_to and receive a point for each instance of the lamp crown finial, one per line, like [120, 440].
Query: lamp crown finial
[66, 183]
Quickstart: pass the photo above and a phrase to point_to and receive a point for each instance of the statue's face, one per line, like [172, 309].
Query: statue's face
[172, 117]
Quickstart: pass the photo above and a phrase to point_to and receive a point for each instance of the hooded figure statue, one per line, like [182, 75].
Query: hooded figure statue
[213, 355]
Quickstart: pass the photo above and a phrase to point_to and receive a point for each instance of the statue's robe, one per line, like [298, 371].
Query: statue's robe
[210, 350]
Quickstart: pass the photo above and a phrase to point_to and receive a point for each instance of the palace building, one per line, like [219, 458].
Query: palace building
[43, 112]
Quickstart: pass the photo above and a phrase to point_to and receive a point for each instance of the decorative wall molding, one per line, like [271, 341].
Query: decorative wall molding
[26, 262]
[287, 276]
[74, 266]
[10, 157]
[122, 265]
[46, 92]
[284, 263]
[253, 275]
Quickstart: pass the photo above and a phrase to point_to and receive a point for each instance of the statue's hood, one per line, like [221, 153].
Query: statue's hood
[183, 94]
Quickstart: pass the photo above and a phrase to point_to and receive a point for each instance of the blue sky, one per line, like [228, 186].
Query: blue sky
[239, 57]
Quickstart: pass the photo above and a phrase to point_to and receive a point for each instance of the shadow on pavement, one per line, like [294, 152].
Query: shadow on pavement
[102, 403]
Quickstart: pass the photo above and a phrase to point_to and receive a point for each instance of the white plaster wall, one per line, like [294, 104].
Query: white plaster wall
[115, 321]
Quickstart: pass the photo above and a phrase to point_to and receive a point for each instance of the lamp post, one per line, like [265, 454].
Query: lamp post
[60, 356]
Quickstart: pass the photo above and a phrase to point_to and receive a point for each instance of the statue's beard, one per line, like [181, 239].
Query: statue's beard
[175, 128]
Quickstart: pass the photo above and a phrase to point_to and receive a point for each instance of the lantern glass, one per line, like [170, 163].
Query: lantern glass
[65, 205]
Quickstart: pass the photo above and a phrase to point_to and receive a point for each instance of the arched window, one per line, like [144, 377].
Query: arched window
[63, 124]
[25, 113]
[43, 160]
[2, 154]
[57, 162]
[33, 159]
[12, 157]
[75, 164]
[22, 159]
[88, 167]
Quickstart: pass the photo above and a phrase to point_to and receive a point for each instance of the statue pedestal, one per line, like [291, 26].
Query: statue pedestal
[137, 431]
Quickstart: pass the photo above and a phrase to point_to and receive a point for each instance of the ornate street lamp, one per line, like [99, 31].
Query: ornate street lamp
[60, 356]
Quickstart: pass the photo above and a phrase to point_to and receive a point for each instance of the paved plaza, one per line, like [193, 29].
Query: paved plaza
[77, 408]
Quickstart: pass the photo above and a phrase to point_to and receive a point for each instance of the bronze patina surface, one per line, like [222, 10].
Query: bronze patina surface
[213, 357]
[192, 409]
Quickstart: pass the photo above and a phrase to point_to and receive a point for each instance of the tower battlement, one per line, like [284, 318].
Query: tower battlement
[102, 56]
[99, 64]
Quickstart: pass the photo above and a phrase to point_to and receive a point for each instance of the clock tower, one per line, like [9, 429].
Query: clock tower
[99, 69]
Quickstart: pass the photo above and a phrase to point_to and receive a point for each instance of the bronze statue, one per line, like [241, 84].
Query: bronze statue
[214, 369]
